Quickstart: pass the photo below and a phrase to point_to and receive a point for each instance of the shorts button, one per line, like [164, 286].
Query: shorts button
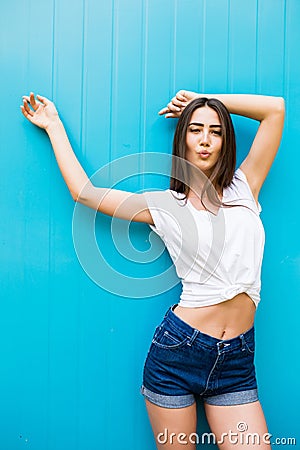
[221, 345]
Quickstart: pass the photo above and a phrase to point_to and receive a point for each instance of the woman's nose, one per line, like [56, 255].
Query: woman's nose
[204, 138]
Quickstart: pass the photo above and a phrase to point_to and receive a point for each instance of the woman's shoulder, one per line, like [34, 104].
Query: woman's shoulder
[177, 195]
[163, 197]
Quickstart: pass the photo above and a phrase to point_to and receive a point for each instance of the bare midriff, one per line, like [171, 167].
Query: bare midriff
[225, 320]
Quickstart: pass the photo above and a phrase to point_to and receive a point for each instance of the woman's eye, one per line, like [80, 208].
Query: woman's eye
[216, 132]
[195, 130]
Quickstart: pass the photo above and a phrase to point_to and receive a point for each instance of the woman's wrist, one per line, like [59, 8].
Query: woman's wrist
[53, 125]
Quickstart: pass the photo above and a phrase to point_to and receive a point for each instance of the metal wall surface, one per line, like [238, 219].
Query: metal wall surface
[72, 351]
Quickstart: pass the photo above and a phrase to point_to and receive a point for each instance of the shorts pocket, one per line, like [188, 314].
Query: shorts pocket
[166, 336]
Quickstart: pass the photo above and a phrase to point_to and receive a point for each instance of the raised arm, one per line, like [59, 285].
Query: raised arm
[268, 110]
[113, 202]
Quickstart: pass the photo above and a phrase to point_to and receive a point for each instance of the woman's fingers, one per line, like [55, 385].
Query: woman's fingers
[26, 103]
[33, 102]
[168, 113]
[171, 115]
[30, 99]
[175, 107]
[172, 106]
[26, 113]
[181, 98]
[26, 107]
[181, 95]
[163, 111]
[43, 100]
[179, 101]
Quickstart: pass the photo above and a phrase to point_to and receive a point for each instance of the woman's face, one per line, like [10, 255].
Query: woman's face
[204, 139]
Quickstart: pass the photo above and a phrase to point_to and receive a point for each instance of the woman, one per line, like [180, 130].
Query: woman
[204, 345]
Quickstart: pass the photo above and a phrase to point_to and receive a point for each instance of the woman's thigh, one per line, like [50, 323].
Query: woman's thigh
[173, 428]
[238, 426]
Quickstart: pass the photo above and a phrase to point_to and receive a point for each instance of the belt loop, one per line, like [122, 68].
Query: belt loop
[193, 337]
[169, 309]
[243, 341]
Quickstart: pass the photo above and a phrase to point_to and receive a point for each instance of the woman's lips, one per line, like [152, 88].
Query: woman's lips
[204, 154]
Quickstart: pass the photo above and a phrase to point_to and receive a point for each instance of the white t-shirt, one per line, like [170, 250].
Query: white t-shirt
[216, 256]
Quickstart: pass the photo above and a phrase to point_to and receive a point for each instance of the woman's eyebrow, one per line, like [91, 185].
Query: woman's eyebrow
[202, 125]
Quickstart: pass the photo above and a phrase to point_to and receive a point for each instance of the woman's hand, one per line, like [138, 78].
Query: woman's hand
[175, 107]
[42, 113]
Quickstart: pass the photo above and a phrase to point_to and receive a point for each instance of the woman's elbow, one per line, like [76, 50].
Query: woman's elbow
[276, 110]
[79, 198]
[280, 105]
[75, 196]
[84, 195]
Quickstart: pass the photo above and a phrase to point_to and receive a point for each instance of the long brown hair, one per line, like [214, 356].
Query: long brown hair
[224, 168]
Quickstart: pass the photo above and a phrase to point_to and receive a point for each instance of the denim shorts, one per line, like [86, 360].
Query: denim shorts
[183, 363]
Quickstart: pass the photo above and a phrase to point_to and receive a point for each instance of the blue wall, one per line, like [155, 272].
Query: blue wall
[72, 352]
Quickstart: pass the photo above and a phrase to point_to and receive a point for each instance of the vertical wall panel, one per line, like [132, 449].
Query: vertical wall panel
[64, 308]
[216, 51]
[242, 45]
[271, 47]
[95, 342]
[26, 220]
[72, 352]
[188, 46]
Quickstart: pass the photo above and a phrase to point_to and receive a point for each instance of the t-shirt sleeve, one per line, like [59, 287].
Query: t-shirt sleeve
[246, 190]
[156, 202]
